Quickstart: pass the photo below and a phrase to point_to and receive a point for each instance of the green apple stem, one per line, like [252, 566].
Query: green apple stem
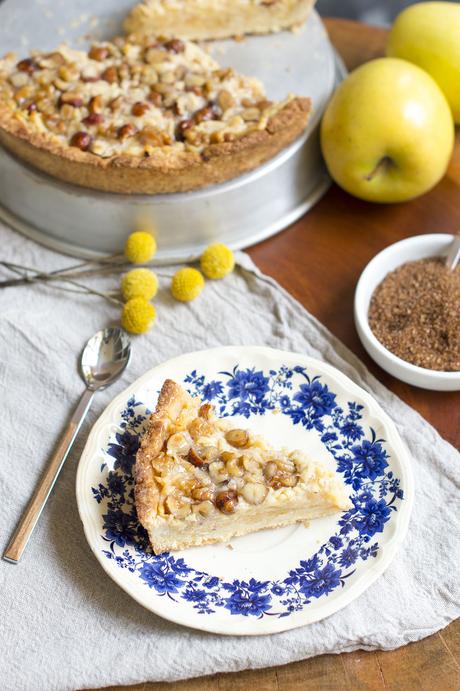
[382, 165]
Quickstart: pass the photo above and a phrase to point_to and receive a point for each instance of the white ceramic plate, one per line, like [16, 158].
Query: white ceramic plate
[272, 580]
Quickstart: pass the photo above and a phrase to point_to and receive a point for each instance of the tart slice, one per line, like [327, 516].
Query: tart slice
[200, 479]
[140, 116]
[213, 19]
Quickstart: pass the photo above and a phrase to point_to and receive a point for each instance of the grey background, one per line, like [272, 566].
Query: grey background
[370, 11]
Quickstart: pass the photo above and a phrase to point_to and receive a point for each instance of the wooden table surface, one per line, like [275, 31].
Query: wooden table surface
[318, 260]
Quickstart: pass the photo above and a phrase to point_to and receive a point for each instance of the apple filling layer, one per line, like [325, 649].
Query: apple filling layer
[200, 479]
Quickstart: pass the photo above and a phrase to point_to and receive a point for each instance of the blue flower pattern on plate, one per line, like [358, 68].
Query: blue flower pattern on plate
[360, 457]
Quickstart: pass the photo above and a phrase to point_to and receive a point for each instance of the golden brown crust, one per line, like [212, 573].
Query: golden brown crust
[170, 402]
[161, 173]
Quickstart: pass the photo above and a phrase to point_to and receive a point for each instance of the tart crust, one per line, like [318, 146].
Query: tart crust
[164, 171]
[215, 19]
[141, 116]
[306, 490]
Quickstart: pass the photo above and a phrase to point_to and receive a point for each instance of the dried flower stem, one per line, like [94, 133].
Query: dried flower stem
[19, 268]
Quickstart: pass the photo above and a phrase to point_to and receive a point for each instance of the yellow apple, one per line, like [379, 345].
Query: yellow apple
[387, 134]
[428, 34]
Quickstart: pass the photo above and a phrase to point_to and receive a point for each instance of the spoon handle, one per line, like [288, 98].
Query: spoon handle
[40, 496]
[453, 255]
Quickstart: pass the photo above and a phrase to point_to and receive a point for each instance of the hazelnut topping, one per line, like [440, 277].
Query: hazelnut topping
[81, 140]
[227, 501]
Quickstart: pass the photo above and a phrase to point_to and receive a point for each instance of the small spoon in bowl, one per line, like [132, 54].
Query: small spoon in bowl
[102, 362]
[453, 255]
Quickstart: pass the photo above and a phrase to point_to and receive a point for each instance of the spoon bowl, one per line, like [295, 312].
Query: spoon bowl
[104, 358]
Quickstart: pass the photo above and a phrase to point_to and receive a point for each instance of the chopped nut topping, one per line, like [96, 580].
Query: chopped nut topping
[166, 93]
[28, 65]
[140, 108]
[99, 53]
[227, 501]
[196, 459]
[81, 140]
[238, 438]
[254, 492]
[126, 131]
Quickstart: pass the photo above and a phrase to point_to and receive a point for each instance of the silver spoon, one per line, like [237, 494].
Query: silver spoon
[453, 256]
[102, 361]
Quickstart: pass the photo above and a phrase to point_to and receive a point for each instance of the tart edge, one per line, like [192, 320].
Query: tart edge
[161, 173]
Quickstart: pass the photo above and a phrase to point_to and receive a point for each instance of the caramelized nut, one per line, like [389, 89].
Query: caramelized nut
[93, 119]
[126, 131]
[218, 472]
[238, 438]
[98, 53]
[95, 104]
[205, 411]
[254, 492]
[155, 98]
[140, 108]
[182, 128]
[225, 100]
[270, 469]
[110, 75]
[205, 508]
[283, 480]
[116, 103]
[206, 113]
[154, 137]
[154, 56]
[81, 140]
[196, 460]
[202, 494]
[227, 501]
[27, 65]
[71, 98]
[175, 45]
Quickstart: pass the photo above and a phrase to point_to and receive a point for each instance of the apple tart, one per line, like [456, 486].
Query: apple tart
[213, 19]
[140, 116]
[199, 479]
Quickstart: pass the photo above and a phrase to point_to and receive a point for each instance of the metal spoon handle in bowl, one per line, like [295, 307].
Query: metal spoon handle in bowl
[40, 496]
[453, 255]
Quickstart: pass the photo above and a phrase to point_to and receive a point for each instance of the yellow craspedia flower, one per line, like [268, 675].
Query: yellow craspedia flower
[187, 284]
[139, 283]
[138, 316]
[140, 247]
[217, 261]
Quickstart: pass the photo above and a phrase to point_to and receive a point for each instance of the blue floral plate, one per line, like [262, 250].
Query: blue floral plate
[271, 580]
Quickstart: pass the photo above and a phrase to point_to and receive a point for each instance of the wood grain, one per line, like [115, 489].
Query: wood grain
[318, 260]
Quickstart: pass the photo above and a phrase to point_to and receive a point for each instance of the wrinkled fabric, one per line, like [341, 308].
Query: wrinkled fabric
[63, 623]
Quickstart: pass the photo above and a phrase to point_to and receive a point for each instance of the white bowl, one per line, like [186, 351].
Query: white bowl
[390, 258]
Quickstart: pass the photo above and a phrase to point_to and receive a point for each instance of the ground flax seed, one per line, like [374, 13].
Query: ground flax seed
[415, 313]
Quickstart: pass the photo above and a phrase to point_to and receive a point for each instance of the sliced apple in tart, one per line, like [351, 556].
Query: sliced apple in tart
[201, 479]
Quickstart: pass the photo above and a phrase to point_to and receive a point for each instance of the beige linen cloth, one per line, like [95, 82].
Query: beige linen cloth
[63, 623]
